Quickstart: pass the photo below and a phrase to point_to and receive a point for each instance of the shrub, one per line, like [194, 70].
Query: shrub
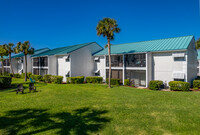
[113, 81]
[57, 79]
[76, 80]
[133, 85]
[179, 85]
[155, 84]
[5, 81]
[17, 75]
[94, 79]
[23, 75]
[29, 74]
[48, 78]
[126, 82]
[196, 84]
[36, 77]
[10, 74]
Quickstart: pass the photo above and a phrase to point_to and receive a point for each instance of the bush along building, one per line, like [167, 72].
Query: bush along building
[170, 59]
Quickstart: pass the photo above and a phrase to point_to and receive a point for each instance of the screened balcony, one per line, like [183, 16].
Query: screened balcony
[116, 61]
[135, 60]
[40, 62]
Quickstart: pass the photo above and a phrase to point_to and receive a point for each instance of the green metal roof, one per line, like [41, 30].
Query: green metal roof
[35, 52]
[62, 50]
[198, 52]
[176, 43]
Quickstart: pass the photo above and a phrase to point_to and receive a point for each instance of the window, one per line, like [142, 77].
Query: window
[179, 58]
[6, 62]
[44, 61]
[116, 61]
[182, 80]
[43, 72]
[36, 71]
[117, 74]
[135, 60]
[35, 61]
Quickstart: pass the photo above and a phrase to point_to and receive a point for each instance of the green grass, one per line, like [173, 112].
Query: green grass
[94, 109]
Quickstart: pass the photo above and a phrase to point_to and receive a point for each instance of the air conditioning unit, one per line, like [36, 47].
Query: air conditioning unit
[178, 75]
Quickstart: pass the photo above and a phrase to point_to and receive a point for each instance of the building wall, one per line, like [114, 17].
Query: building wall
[192, 62]
[52, 65]
[164, 64]
[82, 62]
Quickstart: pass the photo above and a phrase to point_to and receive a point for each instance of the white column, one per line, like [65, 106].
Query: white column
[123, 68]
[147, 71]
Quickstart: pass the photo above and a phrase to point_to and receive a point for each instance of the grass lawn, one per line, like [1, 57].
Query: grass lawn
[94, 109]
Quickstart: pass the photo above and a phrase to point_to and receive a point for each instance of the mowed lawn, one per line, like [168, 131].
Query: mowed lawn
[94, 109]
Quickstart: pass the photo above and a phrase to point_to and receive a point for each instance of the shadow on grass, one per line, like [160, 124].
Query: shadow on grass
[32, 121]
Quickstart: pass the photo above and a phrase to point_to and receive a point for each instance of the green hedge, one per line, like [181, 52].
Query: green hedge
[113, 81]
[57, 79]
[179, 85]
[155, 84]
[17, 75]
[37, 77]
[196, 84]
[76, 80]
[5, 81]
[126, 82]
[28, 75]
[94, 79]
[48, 78]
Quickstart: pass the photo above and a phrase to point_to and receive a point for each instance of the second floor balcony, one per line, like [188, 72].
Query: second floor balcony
[130, 60]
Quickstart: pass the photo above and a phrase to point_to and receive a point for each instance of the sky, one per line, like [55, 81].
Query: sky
[57, 23]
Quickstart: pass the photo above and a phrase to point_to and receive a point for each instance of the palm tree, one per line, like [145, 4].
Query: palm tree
[198, 44]
[26, 49]
[107, 27]
[3, 53]
[10, 49]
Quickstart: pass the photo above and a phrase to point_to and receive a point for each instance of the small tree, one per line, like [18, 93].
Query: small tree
[3, 53]
[198, 44]
[10, 49]
[27, 50]
[107, 27]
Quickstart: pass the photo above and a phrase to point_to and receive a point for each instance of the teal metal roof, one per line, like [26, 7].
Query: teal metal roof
[198, 52]
[62, 50]
[176, 43]
[35, 52]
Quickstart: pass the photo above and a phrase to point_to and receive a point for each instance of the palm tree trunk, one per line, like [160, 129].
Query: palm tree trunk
[2, 65]
[109, 58]
[11, 64]
[25, 68]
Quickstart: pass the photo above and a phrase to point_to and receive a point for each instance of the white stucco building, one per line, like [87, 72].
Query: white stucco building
[164, 59]
[69, 61]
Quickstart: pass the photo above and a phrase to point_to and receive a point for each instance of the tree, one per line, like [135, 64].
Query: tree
[107, 27]
[10, 49]
[27, 50]
[198, 44]
[3, 53]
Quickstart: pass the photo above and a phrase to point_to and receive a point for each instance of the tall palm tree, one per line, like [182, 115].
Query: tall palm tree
[107, 27]
[3, 52]
[10, 49]
[27, 50]
[198, 44]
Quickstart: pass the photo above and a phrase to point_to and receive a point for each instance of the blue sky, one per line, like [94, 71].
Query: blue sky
[56, 23]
